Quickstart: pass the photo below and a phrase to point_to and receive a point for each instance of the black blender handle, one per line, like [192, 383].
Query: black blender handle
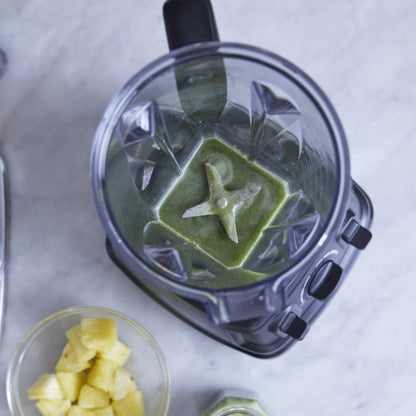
[201, 82]
[189, 21]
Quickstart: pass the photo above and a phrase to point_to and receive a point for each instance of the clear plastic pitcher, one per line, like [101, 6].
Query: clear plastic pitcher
[221, 175]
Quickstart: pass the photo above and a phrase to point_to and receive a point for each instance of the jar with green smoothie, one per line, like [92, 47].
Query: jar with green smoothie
[236, 403]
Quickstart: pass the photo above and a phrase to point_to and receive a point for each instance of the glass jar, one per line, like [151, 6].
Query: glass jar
[236, 403]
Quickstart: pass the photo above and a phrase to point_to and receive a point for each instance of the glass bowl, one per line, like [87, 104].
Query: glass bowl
[41, 347]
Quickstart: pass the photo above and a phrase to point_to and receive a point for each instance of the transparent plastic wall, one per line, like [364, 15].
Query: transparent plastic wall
[256, 108]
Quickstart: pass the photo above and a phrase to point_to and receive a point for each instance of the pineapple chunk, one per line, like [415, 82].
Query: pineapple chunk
[69, 363]
[123, 384]
[129, 405]
[90, 397]
[101, 375]
[98, 334]
[71, 384]
[47, 387]
[118, 354]
[82, 352]
[79, 411]
[105, 411]
[53, 407]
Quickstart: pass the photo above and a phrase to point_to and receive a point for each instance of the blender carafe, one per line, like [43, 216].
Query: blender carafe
[267, 132]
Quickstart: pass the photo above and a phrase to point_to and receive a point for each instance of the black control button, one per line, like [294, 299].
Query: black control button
[356, 235]
[325, 280]
[293, 326]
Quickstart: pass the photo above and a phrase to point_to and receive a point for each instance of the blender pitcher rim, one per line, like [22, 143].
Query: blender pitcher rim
[114, 109]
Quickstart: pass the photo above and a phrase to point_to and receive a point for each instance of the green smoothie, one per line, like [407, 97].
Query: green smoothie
[244, 403]
[221, 203]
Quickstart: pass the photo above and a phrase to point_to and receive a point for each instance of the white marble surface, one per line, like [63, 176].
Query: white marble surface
[68, 58]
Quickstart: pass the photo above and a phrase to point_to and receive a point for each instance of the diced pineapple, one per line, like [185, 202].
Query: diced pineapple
[53, 407]
[105, 411]
[123, 384]
[79, 411]
[129, 405]
[105, 389]
[101, 375]
[91, 397]
[98, 334]
[74, 337]
[69, 363]
[47, 387]
[118, 354]
[70, 384]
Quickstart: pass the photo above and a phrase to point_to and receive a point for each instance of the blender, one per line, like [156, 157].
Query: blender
[221, 176]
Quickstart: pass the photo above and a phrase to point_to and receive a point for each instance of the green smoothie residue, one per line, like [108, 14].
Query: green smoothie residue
[221, 203]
